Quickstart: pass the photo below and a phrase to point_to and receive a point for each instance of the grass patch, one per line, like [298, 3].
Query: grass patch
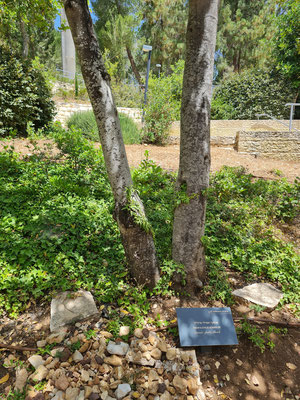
[85, 121]
[57, 231]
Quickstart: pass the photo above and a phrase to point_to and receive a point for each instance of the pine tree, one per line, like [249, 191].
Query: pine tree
[245, 33]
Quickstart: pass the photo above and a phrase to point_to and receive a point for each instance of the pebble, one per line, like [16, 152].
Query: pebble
[122, 390]
[72, 393]
[40, 373]
[113, 360]
[36, 361]
[77, 356]
[62, 383]
[21, 378]
[41, 343]
[119, 349]
[124, 331]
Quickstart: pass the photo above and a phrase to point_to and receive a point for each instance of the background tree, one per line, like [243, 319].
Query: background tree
[27, 26]
[164, 27]
[117, 27]
[287, 41]
[245, 33]
[193, 175]
[129, 212]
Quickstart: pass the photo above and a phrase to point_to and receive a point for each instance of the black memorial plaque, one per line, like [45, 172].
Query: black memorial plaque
[206, 326]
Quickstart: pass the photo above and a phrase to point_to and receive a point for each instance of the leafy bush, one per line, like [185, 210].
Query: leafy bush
[163, 106]
[24, 95]
[242, 96]
[57, 231]
[85, 121]
[126, 95]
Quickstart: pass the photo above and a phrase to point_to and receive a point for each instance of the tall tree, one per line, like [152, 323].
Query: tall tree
[129, 212]
[117, 28]
[245, 33]
[24, 24]
[193, 175]
[164, 27]
[287, 40]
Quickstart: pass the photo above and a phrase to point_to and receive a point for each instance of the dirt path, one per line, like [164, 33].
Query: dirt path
[168, 158]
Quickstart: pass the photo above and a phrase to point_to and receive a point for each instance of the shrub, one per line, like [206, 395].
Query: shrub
[242, 96]
[24, 97]
[85, 121]
[163, 107]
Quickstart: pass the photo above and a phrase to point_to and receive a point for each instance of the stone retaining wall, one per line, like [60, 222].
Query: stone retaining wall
[276, 145]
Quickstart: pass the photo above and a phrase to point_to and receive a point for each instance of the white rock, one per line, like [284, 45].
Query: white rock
[68, 307]
[58, 396]
[36, 361]
[21, 378]
[40, 373]
[77, 356]
[72, 393]
[122, 390]
[85, 376]
[80, 396]
[41, 343]
[124, 331]
[119, 349]
[263, 294]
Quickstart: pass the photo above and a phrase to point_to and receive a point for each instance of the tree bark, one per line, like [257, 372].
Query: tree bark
[137, 241]
[193, 175]
[25, 39]
[133, 66]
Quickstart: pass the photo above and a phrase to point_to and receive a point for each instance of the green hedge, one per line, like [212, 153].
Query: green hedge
[24, 96]
[242, 96]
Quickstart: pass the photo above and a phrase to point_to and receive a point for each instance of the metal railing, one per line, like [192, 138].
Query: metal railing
[277, 120]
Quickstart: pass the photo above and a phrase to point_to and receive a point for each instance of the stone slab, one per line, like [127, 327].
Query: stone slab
[263, 294]
[70, 307]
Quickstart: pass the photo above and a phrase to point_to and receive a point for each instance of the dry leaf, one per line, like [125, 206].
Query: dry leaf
[227, 377]
[4, 379]
[217, 364]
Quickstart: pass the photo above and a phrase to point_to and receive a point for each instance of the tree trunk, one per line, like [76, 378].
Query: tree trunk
[25, 39]
[193, 175]
[133, 66]
[129, 211]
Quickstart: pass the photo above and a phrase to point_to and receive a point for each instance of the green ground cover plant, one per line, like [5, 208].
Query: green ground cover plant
[85, 121]
[57, 231]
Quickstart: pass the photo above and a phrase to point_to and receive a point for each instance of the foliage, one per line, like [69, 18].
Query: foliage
[242, 96]
[260, 338]
[26, 30]
[287, 41]
[244, 35]
[163, 106]
[239, 232]
[85, 121]
[25, 96]
[164, 27]
[57, 231]
[126, 95]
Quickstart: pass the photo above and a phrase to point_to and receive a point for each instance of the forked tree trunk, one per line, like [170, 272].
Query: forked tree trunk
[138, 243]
[193, 175]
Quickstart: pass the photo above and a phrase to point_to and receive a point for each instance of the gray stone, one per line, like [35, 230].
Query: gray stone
[263, 294]
[77, 356]
[58, 396]
[119, 349]
[69, 307]
[122, 390]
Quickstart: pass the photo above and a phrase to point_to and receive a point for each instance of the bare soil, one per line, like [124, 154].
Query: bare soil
[230, 373]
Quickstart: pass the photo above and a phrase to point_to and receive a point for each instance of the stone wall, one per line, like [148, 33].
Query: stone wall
[65, 109]
[276, 145]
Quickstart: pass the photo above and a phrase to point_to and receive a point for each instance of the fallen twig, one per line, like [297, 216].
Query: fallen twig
[17, 348]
